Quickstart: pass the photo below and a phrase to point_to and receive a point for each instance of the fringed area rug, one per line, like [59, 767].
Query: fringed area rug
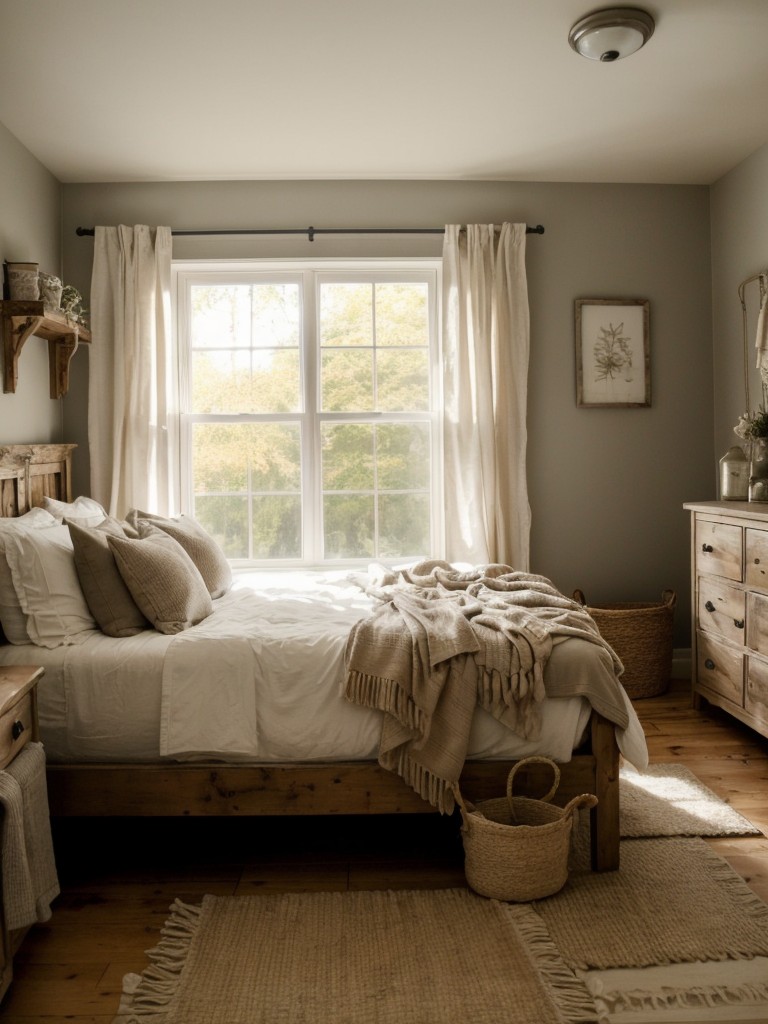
[672, 901]
[435, 957]
[675, 934]
[668, 800]
[682, 915]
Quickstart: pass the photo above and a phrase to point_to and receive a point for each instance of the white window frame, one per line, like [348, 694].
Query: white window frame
[309, 273]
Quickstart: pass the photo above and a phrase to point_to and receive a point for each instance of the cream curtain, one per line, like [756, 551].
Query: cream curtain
[131, 434]
[486, 341]
[761, 340]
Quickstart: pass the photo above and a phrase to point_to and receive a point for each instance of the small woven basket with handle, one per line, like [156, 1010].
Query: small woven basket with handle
[516, 848]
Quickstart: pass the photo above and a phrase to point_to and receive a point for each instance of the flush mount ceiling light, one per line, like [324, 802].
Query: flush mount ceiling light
[611, 33]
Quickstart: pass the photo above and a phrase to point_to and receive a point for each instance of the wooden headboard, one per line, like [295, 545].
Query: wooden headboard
[31, 472]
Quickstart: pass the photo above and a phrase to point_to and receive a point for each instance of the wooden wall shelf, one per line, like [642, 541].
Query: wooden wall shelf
[21, 319]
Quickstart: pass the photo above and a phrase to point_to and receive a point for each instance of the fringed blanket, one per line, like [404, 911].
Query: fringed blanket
[443, 642]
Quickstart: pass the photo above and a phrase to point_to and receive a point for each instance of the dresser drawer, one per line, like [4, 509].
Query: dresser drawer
[757, 623]
[718, 549]
[720, 608]
[756, 559]
[15, 729]
[756, 699]
[720, 668]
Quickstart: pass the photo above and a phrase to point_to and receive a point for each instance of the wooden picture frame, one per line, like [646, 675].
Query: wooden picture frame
[613, 360]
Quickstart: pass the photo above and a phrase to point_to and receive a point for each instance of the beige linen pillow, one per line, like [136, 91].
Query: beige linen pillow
[196, 541]
[104, 589]
[163, 581]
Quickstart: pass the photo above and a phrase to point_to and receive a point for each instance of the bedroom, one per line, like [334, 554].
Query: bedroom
[606, 486]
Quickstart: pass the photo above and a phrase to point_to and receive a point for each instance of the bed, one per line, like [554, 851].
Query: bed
[316, 751]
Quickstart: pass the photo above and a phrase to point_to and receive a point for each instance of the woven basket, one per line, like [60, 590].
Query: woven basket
[516, 848]
[641, 635]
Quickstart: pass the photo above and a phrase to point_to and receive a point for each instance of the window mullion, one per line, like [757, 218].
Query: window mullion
[311, 462]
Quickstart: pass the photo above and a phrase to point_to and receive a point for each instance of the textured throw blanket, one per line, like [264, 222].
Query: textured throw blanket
[30, 881]
[443, 642]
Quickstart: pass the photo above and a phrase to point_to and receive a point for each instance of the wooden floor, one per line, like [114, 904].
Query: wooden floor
[118, 880]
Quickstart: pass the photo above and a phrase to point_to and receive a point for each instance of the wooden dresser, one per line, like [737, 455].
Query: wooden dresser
[729, 588]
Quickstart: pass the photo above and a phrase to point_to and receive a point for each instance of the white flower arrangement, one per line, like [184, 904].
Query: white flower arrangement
[753, 426]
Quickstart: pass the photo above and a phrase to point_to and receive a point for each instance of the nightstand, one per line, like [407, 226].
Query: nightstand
[18, 725]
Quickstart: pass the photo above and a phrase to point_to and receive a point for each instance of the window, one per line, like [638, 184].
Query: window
[308, 399]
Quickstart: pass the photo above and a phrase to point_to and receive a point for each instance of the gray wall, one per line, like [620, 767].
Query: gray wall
[606, 485]
[739, 249]
[30, 231]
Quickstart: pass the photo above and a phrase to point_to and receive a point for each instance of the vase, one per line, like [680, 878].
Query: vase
[758, 469]
[734, 475]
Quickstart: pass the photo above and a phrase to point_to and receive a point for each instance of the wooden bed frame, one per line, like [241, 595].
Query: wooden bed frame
[28, 473]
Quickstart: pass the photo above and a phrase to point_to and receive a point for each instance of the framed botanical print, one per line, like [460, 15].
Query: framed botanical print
[613, 361]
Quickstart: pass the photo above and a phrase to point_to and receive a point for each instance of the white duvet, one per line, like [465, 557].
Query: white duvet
[259, 680]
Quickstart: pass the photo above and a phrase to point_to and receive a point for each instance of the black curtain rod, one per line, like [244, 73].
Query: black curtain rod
[538, 229]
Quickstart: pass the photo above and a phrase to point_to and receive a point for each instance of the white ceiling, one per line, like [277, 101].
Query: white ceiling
[152, 90]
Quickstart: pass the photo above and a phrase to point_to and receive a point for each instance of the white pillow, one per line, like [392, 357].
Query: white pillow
[84, 511]
[12, 618]
[43, 570]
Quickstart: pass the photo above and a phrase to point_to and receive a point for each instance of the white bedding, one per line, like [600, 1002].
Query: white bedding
[140, 698]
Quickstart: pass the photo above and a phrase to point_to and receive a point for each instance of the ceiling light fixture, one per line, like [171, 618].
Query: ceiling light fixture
[611, 33]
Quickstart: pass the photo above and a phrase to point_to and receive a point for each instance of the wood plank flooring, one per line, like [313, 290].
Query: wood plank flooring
[119, 878]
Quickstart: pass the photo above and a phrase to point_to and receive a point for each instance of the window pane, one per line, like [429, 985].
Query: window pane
[220, 316]
[245, 380]
[276, 318]
[277, 526]
[346, 314]
[402, 456]
[347, 381]
[226, 455]
[274, 454]
[245, 348]
[245, 315]
[402, 380]
[347, 454]
[403, 525]
[275, 380]
[348, 526]
[225, 517]
[402, 314]
[237, 466]
[219, 458]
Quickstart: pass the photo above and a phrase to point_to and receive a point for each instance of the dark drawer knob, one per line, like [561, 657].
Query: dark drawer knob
[707, 547]
[709, 606]
[17, 729]
[709, 664]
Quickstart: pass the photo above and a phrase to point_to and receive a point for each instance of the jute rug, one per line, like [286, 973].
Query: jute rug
[672, 901]
[436, 957]
[668, 800]
[450, 957]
